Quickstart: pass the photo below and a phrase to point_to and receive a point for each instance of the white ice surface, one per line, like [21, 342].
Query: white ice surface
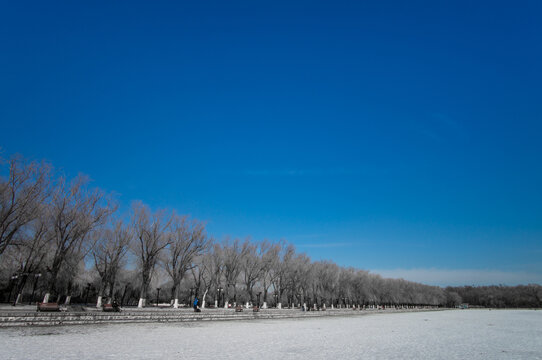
[456, 334]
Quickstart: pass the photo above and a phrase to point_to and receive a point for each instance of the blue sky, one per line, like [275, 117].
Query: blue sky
[398, 137]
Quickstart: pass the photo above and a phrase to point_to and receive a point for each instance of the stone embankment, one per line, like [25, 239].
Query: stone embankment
[26, 317]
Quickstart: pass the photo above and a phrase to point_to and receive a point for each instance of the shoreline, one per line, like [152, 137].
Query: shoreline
[20, 318]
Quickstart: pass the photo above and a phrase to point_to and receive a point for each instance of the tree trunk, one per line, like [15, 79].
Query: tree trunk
[112, 281]
[203, 299]
[175, 294]
[250, 295]
[145, 279]
[99, 300]
[174, 291]
[68, 294]
[51, 288]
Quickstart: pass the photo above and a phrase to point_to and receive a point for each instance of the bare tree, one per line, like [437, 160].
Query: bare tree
[345, 285]
[270, 257]
[187, 242]
[210, 268]
[233, 252]
[251, 265]
[324, 282]
[75, 211]
[281, 270]
[21, 195]
[72, 267]
[298, 278]
[212, 265]
[151, 232]
[361, 287]
[29, 251]
[111, 246]
[203, 279]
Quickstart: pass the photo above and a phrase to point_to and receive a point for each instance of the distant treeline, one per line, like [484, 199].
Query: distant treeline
[62, 240]
[521, 296]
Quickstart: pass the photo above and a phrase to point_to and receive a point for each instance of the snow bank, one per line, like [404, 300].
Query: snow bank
[467, 334]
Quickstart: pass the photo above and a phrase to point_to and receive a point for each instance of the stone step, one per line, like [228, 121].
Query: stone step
[79, 318]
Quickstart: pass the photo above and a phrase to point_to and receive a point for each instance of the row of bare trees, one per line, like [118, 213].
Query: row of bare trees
[71, 234]
[47, 223]
[72, 237]
[274, 273]
[520, 296]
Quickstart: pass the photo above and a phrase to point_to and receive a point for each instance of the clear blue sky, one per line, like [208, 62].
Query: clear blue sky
[401, 137]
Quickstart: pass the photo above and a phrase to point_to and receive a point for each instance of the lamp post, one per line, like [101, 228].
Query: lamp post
[276, 298]
[219, 290]
[259, 298]
[157, 296]
[13, 277]
[19, 290]
[36, 278]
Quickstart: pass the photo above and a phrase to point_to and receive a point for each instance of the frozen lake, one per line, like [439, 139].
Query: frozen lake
[456, 334]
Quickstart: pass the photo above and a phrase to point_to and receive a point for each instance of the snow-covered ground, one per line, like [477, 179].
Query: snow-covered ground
[457, 334]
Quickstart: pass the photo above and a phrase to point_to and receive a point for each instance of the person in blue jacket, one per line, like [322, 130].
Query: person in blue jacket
[196, 302]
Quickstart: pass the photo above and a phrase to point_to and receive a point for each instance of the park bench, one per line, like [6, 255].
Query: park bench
[48, 307]
[110, 308]
[238, 308]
